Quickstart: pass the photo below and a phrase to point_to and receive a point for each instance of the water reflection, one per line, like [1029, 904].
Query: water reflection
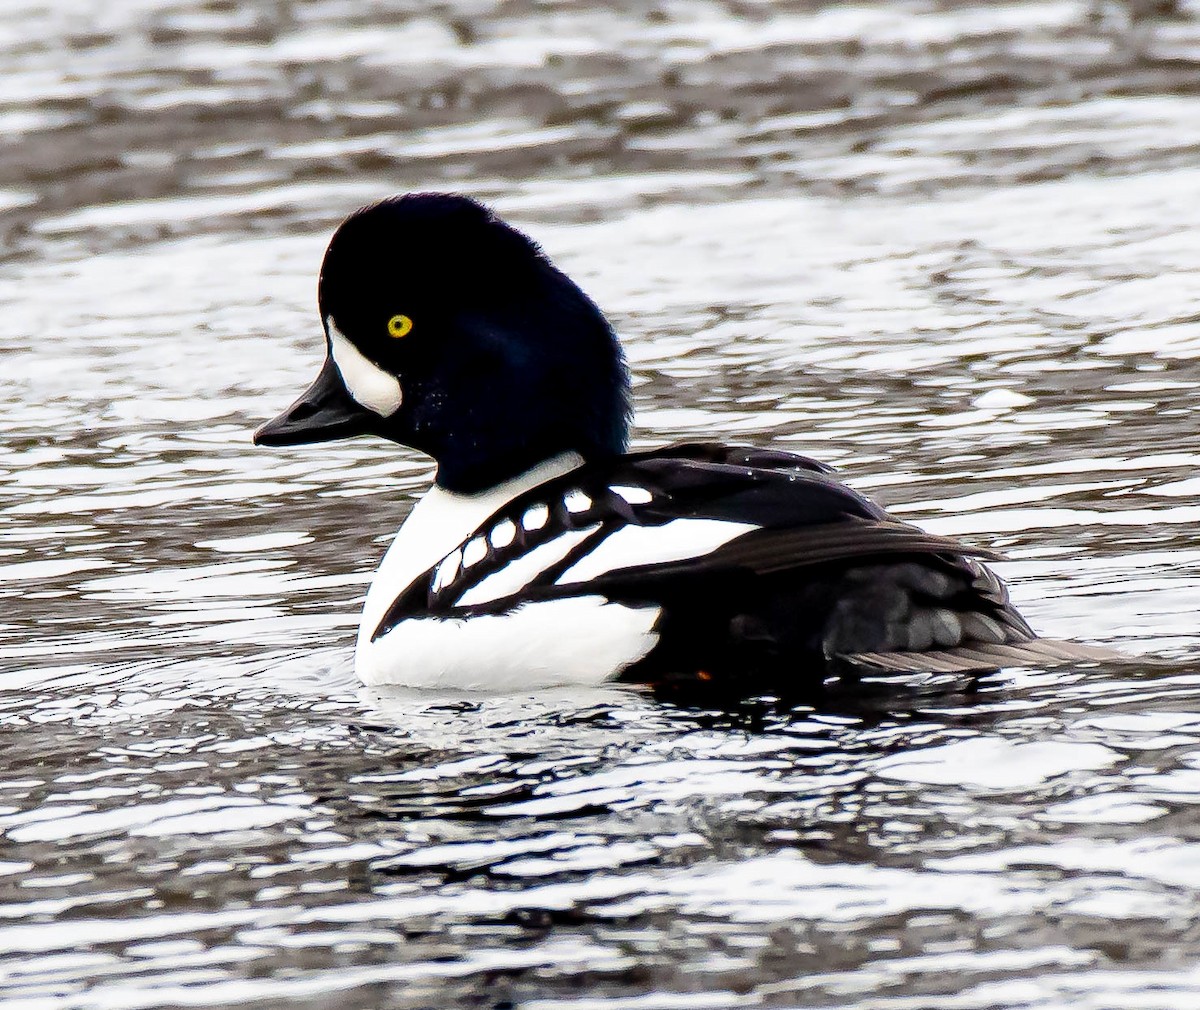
[576, 831]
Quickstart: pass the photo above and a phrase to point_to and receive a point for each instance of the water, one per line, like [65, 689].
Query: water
[949, 249]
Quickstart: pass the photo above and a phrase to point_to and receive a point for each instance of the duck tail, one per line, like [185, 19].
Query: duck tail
[981, 656]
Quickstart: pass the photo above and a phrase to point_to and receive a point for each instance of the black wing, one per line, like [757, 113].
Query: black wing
[786, 560]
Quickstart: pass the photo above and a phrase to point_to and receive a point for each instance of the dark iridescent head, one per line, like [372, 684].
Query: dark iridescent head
[449, 331]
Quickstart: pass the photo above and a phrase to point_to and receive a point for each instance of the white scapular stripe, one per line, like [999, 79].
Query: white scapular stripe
[633, 495]
[503, 533]
[535, 517]
[439, 523]
[447, 571]
[369, 384]
[577, 501]
[575, 641]
[522, 570]
[474, 552]
[648, 545]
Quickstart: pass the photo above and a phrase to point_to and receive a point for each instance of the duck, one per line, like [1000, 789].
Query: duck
[546, 553]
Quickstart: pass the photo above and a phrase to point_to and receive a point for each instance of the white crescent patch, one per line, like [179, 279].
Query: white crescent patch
[365, 381]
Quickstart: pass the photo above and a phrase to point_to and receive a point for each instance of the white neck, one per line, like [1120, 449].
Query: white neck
[441, 521]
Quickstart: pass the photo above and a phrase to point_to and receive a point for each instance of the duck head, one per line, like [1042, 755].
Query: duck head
[450, 332]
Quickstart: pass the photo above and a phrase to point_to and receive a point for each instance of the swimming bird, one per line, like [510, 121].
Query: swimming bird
[545, 552]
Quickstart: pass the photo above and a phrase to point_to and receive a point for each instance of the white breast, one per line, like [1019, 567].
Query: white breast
[437, 525]
[580, 640]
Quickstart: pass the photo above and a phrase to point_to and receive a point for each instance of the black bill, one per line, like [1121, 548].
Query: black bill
[326, 411]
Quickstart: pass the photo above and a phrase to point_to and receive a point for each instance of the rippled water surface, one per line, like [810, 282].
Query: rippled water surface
[949, 248]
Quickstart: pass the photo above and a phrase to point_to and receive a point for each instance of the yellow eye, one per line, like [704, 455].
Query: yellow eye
[399, 326]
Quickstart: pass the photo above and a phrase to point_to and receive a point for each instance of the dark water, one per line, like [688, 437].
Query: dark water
[951, 249]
